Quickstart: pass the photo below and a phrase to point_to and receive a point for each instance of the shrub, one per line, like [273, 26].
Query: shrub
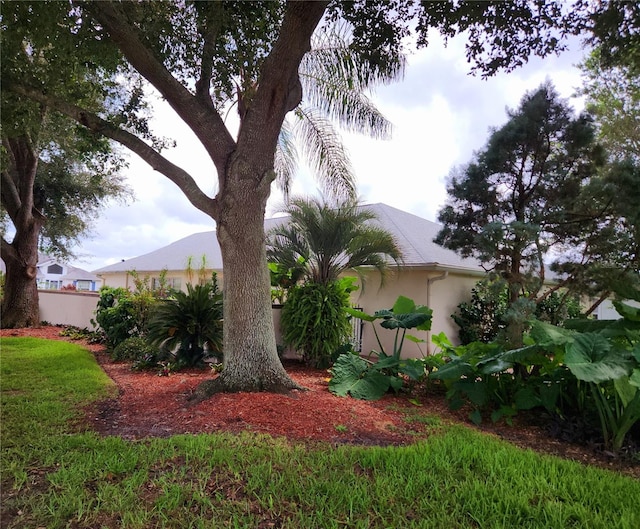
[483, 318]
[115, 315]
[122, 314]
[315, 320]
[189, 325]
[134, 349]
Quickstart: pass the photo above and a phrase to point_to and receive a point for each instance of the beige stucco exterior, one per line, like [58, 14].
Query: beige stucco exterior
[440, 290]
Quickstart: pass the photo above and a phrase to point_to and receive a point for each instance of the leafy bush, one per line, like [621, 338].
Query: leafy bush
[591, 369]
[134, 349]
[364, 379]
[498, 381]
[487, 315]
[188, 325]
[315, 320]
[483, 318]
[116, 315]
[121, 313]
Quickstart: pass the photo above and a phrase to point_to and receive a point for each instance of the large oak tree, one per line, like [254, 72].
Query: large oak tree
[201, 55]
[55, 173]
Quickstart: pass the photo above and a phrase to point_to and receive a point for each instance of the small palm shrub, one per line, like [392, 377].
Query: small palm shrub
[188, 325]
[315, 320]
[133, 349]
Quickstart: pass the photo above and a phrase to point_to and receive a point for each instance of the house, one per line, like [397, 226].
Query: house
[53, 274]
[430, 274]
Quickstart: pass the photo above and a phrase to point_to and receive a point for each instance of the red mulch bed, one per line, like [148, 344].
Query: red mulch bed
[149, 405]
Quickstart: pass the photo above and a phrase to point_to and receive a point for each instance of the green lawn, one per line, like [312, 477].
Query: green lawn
[54, 475]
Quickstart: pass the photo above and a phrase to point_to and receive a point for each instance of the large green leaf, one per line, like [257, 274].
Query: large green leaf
[453, 370]
[626, 390]
[413, 368]
[351, 376]
[405, 314]
[406, 321]
[591, 358]
[628, 312]
[361, 315]
[547, 335]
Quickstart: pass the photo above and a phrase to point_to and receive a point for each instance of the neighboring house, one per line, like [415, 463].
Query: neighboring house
[430, 274]
[56, 275]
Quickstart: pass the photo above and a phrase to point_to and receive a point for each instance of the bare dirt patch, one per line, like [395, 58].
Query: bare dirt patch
[149, 405]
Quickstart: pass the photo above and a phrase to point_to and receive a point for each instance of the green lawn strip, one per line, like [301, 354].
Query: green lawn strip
[458, 478]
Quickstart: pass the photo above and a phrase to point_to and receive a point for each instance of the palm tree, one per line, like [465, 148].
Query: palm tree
[335, 81]
[322, 240]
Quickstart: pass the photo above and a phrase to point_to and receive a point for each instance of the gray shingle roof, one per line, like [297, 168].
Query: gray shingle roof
[414, 236]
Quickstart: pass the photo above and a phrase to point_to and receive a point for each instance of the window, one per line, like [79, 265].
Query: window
[54, 269]
[169, 282]
[83, 284]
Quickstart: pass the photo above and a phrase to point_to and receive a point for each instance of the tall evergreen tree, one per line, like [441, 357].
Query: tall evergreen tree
[515, 202]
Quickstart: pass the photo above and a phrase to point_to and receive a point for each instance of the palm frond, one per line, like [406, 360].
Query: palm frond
[336, 78]
[286, 158]
[331, 238]
[325, 152]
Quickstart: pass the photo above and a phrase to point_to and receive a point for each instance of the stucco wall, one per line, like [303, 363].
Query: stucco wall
[439, 292]
[431, 288]
[60, 307]
[123, 279]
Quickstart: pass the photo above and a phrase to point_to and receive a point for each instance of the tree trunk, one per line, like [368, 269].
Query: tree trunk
[20, 305]
[251, 361]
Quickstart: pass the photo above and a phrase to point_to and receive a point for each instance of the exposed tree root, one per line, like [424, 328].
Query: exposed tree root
[222, 384]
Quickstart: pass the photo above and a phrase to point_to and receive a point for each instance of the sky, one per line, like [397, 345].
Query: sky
[441, 115]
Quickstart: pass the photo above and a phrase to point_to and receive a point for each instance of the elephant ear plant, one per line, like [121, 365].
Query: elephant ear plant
[606, 356]
[370, 380]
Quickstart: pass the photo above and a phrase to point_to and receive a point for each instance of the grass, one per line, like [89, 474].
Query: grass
[55, 475]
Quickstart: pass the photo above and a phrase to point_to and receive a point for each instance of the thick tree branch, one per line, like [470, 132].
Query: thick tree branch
[10, 196]
[279, 86]
[205, 122]
[209, 34]
[158, 162]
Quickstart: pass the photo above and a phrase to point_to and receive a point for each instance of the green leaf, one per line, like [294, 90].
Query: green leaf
[628, 312]
[547, 335]
[351, 376]
[413, 368]
[361, 315]
[476, 390]
[549, 393]
[591, 359]
[526, 399]
[414, 339]
[452, 371]
[405, 321]
[476, 417]
[493, 365]
[626, 391]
